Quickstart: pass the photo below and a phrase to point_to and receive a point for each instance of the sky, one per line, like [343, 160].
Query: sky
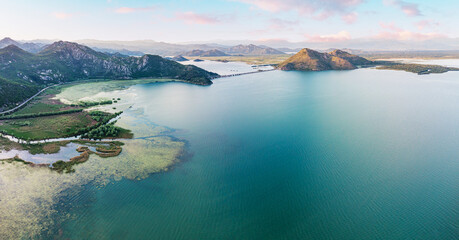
[209, 20]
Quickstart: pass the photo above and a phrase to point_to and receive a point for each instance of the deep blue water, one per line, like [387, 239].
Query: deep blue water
[364, 154]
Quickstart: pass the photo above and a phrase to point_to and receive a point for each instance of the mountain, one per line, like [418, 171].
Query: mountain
[30, 47]
[310, 60]
[353, 59]
[148, 46]
[66, 61]
[179, 58]
[120, 51]
[203, 53]
[253, 50]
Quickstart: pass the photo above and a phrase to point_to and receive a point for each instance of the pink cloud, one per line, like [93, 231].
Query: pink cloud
[62, 15]
[392, 32]
[195, 18]
[316, 9]
[350, 18]
[410, 9]
[339, 37]
[421, 25]
[124, 10]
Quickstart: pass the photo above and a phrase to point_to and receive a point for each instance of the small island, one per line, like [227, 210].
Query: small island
[311, 60]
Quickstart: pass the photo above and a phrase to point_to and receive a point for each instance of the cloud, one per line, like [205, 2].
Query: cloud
[195, 18]
[339, 37]
[410, 9]
[124, 10]
[391, 32]
[350, 18]
[281, 24]
[313, 8]
[421, 25]
[62, 15]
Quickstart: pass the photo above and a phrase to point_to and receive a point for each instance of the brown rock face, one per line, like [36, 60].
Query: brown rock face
[310, 60]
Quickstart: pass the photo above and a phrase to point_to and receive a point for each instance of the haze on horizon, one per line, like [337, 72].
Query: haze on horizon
[276, 22]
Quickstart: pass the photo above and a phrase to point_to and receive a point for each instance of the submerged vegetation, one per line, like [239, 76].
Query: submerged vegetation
[29, 195]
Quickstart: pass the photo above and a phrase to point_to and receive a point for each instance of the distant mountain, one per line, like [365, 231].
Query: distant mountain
[203, 53]
[120, 51]
[253, 50]
[30, 47]
[67, 61]
[179, 58]
[148, 46]
[310, 60]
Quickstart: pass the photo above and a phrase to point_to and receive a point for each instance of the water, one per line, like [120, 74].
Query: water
[228, 68]
[364, 154]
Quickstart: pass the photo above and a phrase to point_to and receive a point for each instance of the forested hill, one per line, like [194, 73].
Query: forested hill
[24, 73]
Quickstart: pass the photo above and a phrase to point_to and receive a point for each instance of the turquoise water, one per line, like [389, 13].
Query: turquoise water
[364, 154]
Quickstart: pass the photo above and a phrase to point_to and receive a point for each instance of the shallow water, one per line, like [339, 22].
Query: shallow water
[363, 154]
[65, 153]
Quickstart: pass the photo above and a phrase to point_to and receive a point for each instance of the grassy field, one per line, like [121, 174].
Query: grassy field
[47, 127]
[253, 60]
[65, 124]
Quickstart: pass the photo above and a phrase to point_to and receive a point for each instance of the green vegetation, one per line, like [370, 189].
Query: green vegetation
[92, 104]
[64, 167]
[105, 131]
[12, 92]
[47, 148]
[41, 114]
[38, 107]
[417, 68]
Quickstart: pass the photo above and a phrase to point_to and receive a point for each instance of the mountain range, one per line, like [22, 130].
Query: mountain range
[203, 53]
[27, 46]
[252, 49]
[67, 61]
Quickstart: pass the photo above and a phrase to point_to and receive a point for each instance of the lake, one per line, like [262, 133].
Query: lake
[362, 154]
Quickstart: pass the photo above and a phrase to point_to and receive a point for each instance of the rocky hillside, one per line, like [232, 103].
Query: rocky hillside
[253, 50]
[310, 60]
[67, 61]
